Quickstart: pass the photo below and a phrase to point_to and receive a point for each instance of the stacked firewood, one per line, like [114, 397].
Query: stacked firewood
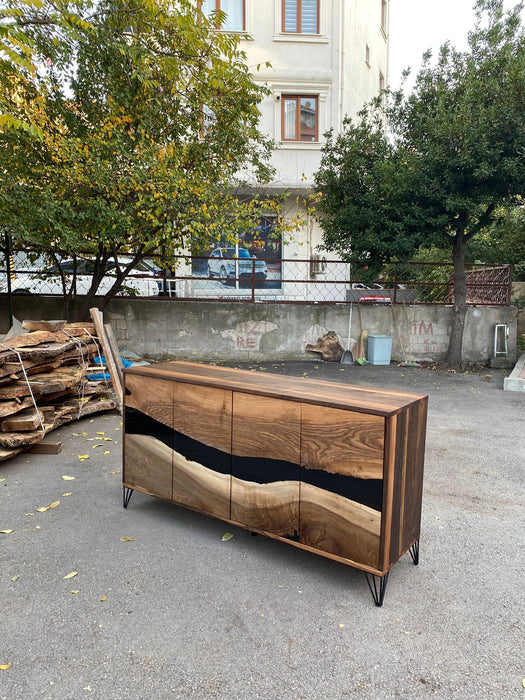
[44, 382]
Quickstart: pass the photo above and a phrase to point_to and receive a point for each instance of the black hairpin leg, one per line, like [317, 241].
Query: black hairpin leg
[414, 552]
[377, 586]
[127, 493]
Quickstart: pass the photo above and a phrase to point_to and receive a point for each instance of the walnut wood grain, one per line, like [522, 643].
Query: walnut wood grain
[340, 526]
[342, 442]
[203, 414]
[148, 465]
[272, 507]
[265, 427]
[266, 452]
[151, 396]
[364, 399]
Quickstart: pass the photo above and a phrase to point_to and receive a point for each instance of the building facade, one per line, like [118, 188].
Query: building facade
[321, 60]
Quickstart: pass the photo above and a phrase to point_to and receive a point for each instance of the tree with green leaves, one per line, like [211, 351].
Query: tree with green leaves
[139, 128]
[454, 153]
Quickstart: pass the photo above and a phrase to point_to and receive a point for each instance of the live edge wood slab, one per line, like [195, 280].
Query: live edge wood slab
[330, 468]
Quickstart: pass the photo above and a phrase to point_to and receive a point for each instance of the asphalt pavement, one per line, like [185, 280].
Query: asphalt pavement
[99, 602]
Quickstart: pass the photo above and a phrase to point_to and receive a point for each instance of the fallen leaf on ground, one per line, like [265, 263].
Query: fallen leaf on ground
[128, 539]
[104, 598]
[83, 457]
[106, 452]
[341, 625]
[227, 536]
[5, 532]
[15, 578]
[75, 592]
[73, 573]
[54, 504]
[100, 433]
[108, 439]
[99, 444]
[42, 509]
[114, 472]
[67, 494]
[4, 667]
[68, 478]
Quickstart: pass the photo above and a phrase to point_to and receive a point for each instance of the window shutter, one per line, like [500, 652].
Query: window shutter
[290, 15]
[309, 17]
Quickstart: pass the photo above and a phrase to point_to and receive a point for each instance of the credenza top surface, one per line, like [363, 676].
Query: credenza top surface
[383, 402]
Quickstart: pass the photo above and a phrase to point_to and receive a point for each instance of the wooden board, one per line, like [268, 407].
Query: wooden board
[97, 317]
[28, 419]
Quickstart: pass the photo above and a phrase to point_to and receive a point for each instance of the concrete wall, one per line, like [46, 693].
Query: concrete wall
[518, 290]
[159, 329]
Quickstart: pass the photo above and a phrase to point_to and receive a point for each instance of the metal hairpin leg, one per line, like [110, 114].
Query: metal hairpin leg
[377, 586]
[414, 552]
[127, 493]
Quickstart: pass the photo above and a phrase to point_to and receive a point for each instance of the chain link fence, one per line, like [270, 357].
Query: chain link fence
[246, 278]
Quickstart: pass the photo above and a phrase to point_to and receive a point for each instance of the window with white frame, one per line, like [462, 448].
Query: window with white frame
[235, 13]
[299, 118]
[300, 16]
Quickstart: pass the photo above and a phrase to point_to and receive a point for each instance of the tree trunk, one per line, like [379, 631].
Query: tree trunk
[455, 345]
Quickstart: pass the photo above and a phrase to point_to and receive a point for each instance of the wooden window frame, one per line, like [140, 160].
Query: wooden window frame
[218, 2]
[299, 18]
[298, 99]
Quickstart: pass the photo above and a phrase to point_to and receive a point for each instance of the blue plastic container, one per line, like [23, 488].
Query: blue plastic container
[379, 349]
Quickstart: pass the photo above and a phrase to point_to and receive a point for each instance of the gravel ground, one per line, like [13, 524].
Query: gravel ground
[178, 613]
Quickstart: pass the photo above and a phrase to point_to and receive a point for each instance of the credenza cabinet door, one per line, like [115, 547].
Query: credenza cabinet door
[148, 438]
[202, 448]
[342, 454]
[265, 464]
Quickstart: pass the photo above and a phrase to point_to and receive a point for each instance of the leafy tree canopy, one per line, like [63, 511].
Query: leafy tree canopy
[129, 126]
[454, 153]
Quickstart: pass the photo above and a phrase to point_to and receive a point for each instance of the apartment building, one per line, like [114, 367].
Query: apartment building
[328, 58]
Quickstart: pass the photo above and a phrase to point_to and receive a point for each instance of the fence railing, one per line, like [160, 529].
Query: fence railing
[250, 279]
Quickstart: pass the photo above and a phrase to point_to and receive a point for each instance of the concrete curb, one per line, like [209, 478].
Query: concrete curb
[516, 380]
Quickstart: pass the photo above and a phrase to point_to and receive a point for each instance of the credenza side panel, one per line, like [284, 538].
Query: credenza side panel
[148, 435]
[202, 424]
[342, 482]
[413, 482]
[265, 464]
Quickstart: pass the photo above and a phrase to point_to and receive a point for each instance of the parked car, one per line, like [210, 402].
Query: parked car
[228, 264]
[139, 282]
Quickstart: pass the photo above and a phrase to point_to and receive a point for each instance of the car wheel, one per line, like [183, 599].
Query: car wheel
[223, 275]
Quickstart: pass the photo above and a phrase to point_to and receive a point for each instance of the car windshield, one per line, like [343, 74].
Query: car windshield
[230, 253]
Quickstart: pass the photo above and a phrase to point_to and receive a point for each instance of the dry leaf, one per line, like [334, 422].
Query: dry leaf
[341, 625]
[100, 433]
[5, 532]
[15, 578]
[106, 452]
[128, 539]
[68, 478]
[99, 444]
[73, 573]
[83, 457]
[108, 439]
[114, 472]
[104, 598]
[54, 504]
[74, 592]
[67, 494]
[4, 667]
[42, 509]
[227, 536]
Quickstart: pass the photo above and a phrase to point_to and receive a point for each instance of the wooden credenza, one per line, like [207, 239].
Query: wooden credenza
[331, 468]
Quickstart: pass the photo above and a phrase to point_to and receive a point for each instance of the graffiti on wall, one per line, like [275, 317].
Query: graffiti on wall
[247, 335]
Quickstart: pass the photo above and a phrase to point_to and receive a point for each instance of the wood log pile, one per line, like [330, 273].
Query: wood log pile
[44, 382]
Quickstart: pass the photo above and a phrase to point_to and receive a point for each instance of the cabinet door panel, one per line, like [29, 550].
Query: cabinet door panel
[148, 437]
[342, 482]
[202, 448]
[265, 464]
